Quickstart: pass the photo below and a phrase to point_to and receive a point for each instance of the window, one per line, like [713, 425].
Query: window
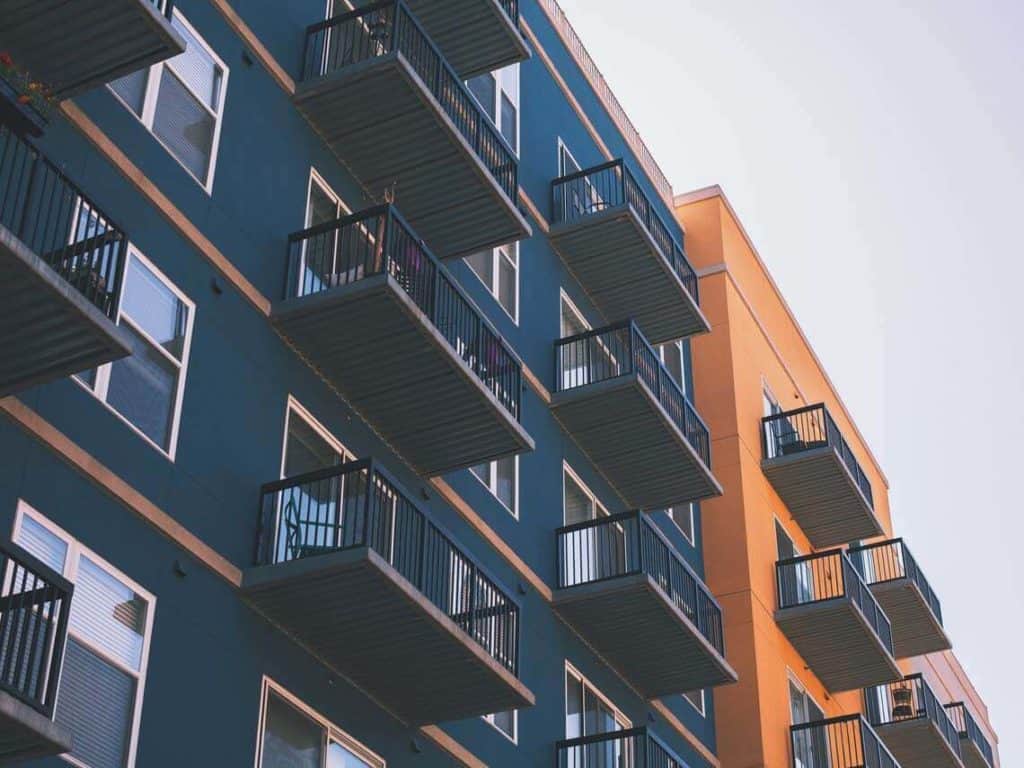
[567, 164]
[683, 517]
[572, 321]
[147, 387]
[181, 102]
[498, 94]
[498, 269]
[672, 358]
[769, 402]
[507, 723]
[294, 736]
[587, 712]
[696, 699]
[578, 503]
[100, 694]
[502, 479]
[810, 747]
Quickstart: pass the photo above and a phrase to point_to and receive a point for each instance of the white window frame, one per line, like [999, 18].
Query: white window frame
[499, 88]
[331, 731]
[149, 102]
[563, 150]
[703, 708]
[599, 509]
[494, 288]
[315, 177]
[568, 302]
[514, 738]
[492, 487]
[571, 669]
[673, 511]
[295, 409]
[798, 684]
[682, 362]
[101, 384]
[75, 551]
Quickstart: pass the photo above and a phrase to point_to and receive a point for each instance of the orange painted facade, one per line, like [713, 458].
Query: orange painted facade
[756, 345]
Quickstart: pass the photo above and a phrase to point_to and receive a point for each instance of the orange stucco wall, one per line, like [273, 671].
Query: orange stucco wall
[755, 342]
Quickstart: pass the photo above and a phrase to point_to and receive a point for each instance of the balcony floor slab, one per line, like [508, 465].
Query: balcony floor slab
[915, 629]
[917, 743]
[26, 734]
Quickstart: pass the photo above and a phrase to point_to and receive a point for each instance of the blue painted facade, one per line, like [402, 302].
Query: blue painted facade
[209, 650]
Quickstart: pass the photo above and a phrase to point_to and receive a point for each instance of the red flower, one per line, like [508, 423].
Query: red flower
[24, 99]
[6, 60]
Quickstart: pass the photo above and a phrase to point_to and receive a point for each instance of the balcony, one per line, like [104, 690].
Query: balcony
[913, 724]
[624, 409]
[975, 750]
[832, 619]
[629, 748]
[72, 47]
[61, 265]
[840, 742]
[634, 599]
[606, 230]
[354, 570]
[34, 605]
[397, 115]
[900, 587]
[816, 475]
[476, 36]
[384, 323]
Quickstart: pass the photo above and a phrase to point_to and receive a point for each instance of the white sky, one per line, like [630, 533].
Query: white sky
[874, 152]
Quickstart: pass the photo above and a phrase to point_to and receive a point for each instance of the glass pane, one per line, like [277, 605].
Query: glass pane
[34, 538]
[508, 122]
[96, 703]
[505, 722]
[483, 264]
[672, 356]
[305, 450]
[697, 699]
[339, 757]
[290, 739]
[184, 125]
[573, 706]
[197, 68]
[683, 517]
[578, 505]
[484, 88]
[132, 89]
[572, 323]
[143, 388]
[322, 207]
[155, 308]
[506, 485]
[507, 279]
[109, 614]
[483, 471]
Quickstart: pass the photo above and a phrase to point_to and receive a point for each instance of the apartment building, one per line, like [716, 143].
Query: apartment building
[833, 627]
[348, 406]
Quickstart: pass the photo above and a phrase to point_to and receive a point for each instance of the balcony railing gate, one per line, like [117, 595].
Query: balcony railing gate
[357, 505]
[840, 742]
[629, 748]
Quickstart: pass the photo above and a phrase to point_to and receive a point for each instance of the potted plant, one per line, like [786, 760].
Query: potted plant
[25, 104]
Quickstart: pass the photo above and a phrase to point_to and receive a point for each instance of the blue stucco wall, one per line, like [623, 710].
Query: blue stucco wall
[209, 651]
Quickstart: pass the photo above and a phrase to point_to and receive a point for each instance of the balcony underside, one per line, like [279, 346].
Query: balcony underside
[633, 624]
[75, 46]
[386, 126]
[26, 733]
[625, 275]
[48, 330]
[357, 614]
[917, 743]
[838, 644]
[972, 756]
[372, 343]
[915, 629]
[476, 36]
[634, 443]
[823, 497]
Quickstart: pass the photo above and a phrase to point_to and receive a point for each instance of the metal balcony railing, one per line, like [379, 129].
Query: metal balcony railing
[35, 602]
[909, 699]
[968, 728]
[808, 428]
[619, 350]
[826, 576]
[629, 543]
[590, 191]
[889, 561]
[357, 505]
[50, 214]
[630, 748]
[379, 241]
[839, 742]
[511, 7]
[388, 27]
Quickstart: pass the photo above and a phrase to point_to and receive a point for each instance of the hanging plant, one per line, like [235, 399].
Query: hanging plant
[25, 104]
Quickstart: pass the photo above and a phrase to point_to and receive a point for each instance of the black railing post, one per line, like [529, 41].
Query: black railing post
[640, 543]
[29, 189]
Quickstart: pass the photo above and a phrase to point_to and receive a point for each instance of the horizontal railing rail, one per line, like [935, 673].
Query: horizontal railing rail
[889, 561]
[967, 728]
[382, 28]
[628, 748]
[358, 505]
[379, 241]
[826, 576]
[909, 699]
[808, 428]
[619, 350]
[35, 603]
[51, 215]
[839, 742]
[629, 543]
[611, 185]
